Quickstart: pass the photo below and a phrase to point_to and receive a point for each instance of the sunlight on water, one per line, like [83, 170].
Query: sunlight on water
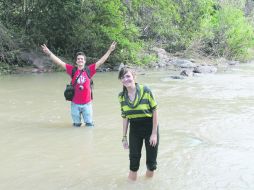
[206, 134]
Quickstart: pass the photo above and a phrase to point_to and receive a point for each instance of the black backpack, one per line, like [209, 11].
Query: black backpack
[87, 70]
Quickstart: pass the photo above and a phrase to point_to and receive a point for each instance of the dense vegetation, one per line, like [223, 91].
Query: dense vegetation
[211, 28]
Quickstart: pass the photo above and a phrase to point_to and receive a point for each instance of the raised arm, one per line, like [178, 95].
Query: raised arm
[54, 58]
[105, 56]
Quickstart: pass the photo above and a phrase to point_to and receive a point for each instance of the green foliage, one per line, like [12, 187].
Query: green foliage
[173, 24]
[91, 25]
[228, 34]
[107, 23]
[70, 26]
[5, 68]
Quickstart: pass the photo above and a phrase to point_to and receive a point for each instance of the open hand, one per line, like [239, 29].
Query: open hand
[45, 49]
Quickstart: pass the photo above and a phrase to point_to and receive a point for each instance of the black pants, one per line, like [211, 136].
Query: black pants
[141, 130]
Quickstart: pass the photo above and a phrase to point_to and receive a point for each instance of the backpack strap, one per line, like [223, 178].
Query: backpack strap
[77, 78]
[74, 69]
[88, 72]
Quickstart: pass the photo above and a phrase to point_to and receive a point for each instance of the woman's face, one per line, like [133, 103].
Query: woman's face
[128, 80]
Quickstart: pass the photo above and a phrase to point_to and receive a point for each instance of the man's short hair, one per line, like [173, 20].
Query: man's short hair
[81, 53]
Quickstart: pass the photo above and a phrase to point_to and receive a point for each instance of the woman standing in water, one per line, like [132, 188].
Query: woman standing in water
[139, 111]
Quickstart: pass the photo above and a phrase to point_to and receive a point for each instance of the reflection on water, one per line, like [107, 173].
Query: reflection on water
[207, 136]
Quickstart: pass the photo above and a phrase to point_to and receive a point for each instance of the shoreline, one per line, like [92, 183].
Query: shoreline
[181, 63]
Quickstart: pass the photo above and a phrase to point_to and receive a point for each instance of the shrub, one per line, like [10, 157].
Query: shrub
[227, 33]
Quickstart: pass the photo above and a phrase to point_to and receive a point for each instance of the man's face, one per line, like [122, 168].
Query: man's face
[80, 60]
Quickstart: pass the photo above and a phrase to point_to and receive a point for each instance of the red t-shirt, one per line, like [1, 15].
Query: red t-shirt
[82, 87]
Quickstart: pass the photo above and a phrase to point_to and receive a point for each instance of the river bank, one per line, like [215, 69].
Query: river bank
[186, 64]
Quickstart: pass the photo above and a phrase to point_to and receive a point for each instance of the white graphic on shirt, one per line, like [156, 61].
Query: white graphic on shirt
[81, 80]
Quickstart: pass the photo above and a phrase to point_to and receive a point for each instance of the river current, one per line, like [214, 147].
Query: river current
[206, 134]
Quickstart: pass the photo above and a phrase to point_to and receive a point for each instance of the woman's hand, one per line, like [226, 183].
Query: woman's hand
[125, 142]
[153, 140]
